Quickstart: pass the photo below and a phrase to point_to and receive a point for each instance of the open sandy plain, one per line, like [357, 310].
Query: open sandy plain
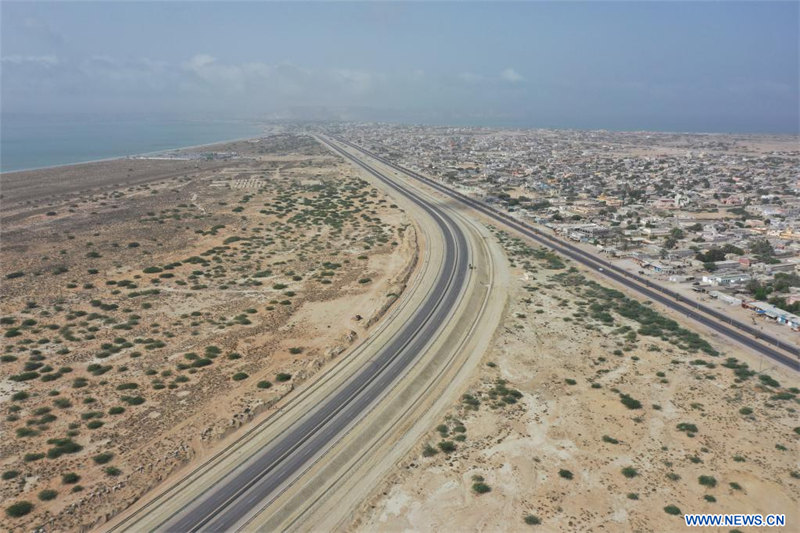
[152, 308]
[593, 412]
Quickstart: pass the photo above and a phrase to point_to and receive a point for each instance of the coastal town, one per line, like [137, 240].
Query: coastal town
[713, 217]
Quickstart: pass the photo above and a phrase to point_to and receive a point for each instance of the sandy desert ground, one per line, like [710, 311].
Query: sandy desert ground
[151, 308]
[593, 412]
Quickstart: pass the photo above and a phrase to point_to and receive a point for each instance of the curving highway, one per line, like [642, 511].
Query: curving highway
[247, 477]
[311, 462]
[744, 334]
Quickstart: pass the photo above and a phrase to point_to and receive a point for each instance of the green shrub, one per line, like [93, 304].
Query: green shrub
[10, 474]
[132, 400]
[112, 471]
[481, 488]
[429, 451]
[24, 376]
[212, 351]
[768, 381]
[629, 472]
[708, 481]
[70, 478]
[671, 509]
[18, 509]
[471, 401]
[239, 376]
[532, 520]
[281, 377]
[566, 474]
[102, 458]
[610, 440]
[61, 447]
[63, 403]
[447, 446]
[690, 429]
[47, 495]
[629, 402]
[26, 432]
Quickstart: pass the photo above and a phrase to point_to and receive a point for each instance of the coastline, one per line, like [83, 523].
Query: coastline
[124, 156]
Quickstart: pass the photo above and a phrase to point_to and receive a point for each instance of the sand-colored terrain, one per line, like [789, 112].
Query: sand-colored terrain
[323, 496]
[593, 412]
[158, 306]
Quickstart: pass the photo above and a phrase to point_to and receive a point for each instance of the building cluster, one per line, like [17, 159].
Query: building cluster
[718, 214]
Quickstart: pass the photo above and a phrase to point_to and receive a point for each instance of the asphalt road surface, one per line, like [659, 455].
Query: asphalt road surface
[222, 506]
[733, 329]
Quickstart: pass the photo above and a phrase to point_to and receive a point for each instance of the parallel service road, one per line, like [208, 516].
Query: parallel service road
[711, 318]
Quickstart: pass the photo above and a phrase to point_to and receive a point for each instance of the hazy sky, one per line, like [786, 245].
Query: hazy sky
[723, 66]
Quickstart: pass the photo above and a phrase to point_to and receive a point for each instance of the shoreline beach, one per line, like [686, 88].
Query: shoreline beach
[142, 155]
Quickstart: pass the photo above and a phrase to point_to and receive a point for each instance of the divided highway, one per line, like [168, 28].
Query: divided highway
[256, 472]
[327, 447]
[734, 329]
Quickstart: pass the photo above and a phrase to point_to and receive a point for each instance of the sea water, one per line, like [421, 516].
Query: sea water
[30, 141]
